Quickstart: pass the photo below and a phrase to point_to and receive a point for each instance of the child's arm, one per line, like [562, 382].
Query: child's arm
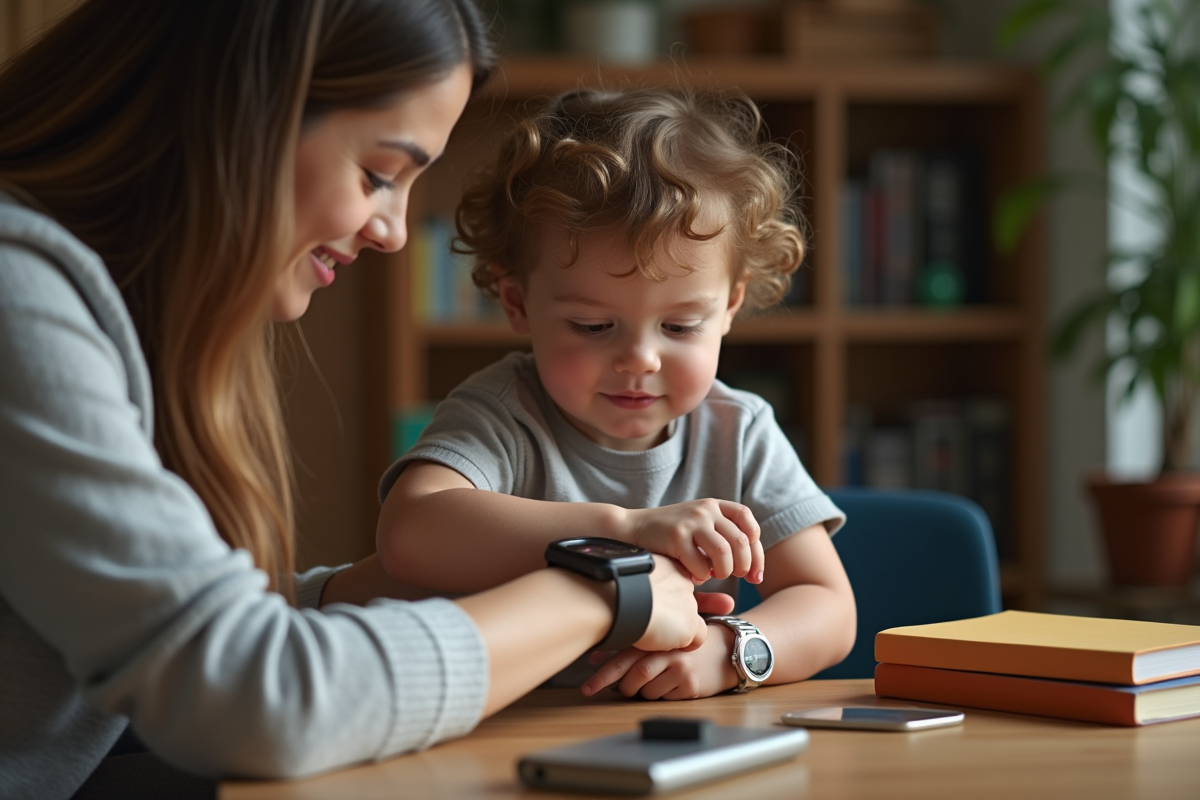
[807, 614]
[436, 530]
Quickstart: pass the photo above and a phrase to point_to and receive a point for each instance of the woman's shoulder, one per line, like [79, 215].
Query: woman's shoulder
[41, 263]
[52, 284]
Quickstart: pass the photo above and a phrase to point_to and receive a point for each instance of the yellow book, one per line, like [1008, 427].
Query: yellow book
[1123, 651]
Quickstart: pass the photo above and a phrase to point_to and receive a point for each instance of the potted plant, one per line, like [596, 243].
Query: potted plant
[1140, 93]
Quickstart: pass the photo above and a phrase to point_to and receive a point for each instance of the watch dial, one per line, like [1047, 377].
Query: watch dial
[606, 549]
[757, 657]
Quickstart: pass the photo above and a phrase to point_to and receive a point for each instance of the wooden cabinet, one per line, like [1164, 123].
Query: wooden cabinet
[832, 355]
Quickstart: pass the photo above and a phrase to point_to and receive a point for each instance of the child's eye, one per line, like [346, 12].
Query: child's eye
[589, 328]
[677, 329]
[377, 182]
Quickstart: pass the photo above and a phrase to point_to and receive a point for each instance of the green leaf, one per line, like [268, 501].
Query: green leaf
[1025, 17]
[1066, 48]
[1016, 208]
[1187, 302]
[1093, 309]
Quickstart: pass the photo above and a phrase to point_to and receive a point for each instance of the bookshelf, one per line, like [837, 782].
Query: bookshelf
[829, 355]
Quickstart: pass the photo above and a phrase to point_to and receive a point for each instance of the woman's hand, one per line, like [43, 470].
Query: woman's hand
[675, 622]
[712, 538]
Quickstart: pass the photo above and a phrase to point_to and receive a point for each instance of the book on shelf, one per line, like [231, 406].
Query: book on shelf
[954, 217]
[854, 249]
[441, 279]
[887, 457]
[939, 452]
[987, 463]
[957, 446]
[1108, 703]
[912, 211]
[1120, 651]
[895, 174]
[854, 444]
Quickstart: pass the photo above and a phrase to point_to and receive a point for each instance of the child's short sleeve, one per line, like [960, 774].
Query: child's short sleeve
[776, 486]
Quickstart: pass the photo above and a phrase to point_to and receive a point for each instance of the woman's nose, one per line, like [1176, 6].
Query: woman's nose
[385, 232]
[387, 229]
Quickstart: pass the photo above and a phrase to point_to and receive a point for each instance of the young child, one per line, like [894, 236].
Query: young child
[622, 232]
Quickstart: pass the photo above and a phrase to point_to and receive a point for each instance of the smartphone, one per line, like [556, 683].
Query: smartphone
[873, 718]
[636, 763]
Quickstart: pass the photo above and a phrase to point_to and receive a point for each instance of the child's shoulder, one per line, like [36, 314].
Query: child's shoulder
[739, 401]
[502, 376]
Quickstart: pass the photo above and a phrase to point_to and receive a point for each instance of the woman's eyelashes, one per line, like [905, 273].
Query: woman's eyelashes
[377, 183]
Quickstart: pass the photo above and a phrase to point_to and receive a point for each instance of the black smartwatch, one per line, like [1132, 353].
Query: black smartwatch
[609, 560]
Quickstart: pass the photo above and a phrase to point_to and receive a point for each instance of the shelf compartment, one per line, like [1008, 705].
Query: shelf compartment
[919, 325]
[777, 326]
[774, 79]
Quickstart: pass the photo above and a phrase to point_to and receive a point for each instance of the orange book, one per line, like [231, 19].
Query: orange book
[1088, 702]
[1121, 651]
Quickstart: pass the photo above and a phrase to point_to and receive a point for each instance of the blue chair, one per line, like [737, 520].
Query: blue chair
[912, 557]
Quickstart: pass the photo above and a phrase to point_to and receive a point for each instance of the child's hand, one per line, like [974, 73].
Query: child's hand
[711, 538]
[670, 675]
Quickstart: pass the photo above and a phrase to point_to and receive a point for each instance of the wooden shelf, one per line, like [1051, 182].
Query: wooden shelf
[916, 325]
[779, 79]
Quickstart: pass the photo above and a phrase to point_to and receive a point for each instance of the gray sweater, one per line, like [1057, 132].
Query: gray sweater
[120, 603]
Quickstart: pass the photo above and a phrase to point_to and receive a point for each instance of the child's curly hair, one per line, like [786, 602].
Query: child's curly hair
[646, 162]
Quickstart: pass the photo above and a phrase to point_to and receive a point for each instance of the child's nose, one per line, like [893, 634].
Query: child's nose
[637, 357]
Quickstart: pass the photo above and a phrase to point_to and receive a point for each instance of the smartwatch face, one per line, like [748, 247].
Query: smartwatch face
[603, 548]
[757, 657]
[599, 559]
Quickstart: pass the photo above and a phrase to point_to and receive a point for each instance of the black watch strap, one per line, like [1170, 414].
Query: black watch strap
[635, 602]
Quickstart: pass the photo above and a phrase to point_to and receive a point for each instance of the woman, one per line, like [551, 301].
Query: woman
[175, 177]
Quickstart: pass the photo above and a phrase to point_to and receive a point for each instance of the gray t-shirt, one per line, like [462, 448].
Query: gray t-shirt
[502, 432]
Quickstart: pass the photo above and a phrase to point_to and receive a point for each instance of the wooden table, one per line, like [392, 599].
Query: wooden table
[991, 755]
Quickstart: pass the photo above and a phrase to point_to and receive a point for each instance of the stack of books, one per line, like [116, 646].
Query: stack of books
[1113, 671]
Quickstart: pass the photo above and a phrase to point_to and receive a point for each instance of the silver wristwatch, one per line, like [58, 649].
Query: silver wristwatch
[753, 658]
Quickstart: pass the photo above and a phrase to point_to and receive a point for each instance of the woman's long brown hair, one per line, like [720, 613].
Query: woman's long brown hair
[162, 135]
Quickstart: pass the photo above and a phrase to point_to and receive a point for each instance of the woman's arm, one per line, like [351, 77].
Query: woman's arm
[514, 623]
[527, 642]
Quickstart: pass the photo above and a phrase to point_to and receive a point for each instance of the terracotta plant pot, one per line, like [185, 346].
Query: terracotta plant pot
[1149, 528]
